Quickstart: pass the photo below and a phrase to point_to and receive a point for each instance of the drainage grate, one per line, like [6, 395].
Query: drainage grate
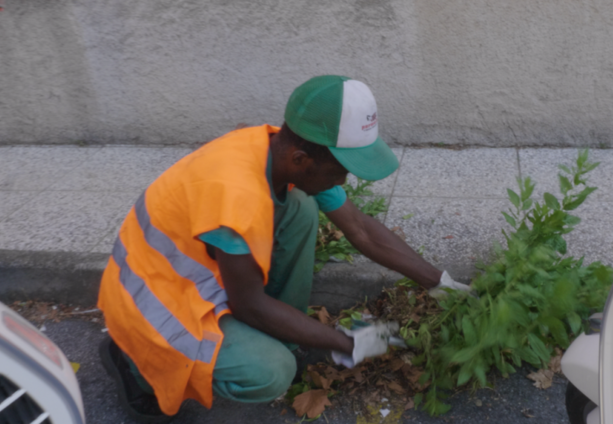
[17, 407]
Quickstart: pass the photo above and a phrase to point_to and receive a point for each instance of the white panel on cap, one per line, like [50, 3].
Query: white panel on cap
[358, 126]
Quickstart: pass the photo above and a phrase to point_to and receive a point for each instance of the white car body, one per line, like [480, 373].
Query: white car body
[580, 366]
[588, 365]
[35, 376]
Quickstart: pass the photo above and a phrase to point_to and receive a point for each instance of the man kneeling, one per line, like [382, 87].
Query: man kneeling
[208, 284]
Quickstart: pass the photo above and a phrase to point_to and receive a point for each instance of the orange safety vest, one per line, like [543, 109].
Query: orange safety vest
[161, 294]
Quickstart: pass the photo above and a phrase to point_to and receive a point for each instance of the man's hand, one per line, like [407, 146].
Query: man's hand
[368, 341]
[448, 283]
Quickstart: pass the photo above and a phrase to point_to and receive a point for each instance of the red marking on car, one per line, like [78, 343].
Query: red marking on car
[33, 338]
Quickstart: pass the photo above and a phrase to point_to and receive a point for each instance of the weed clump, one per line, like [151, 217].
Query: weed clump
[529, 300]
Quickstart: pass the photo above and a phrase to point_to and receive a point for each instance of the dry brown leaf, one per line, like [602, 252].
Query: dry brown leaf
[396, 364]
[346, 373]
[386, 357]
[312, 403]
[413, 374]
[410, 404]
[555, 361]
[396, 388]
[357, 375]
[284, 412]
[542, 378]
[319, 381]
[555, 364]
[407, 357]
[324, 316]
[333, 374]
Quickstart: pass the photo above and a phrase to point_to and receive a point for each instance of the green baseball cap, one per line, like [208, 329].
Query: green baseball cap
[341, 113]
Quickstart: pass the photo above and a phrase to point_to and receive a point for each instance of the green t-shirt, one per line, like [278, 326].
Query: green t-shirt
[231, 242]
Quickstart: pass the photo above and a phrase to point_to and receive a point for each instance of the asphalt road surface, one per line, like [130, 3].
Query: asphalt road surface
[513, 400]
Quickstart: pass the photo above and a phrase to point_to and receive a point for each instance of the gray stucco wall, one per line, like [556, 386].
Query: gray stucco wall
[478, 72]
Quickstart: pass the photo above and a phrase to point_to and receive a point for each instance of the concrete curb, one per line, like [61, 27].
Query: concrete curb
[74, 278]
[342, 285]
[63, 277]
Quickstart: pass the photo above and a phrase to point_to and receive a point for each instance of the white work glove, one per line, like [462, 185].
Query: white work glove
[437, 292]
[367, 342]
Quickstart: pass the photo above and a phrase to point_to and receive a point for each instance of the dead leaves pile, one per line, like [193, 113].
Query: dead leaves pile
[39, 312]
[391, 376]
[388, 377]
[404, 304]
[543, 379]
[328, 233]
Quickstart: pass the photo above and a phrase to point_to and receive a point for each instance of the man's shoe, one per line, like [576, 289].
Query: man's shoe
[140, 405]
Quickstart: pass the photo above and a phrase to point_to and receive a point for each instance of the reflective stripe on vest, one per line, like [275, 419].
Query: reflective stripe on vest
[156, 313]
[149, 305]
[183, 265]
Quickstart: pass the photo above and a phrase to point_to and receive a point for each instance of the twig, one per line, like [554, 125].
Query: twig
[89, 311]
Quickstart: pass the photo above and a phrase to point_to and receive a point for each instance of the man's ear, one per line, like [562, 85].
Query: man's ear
[300, 159]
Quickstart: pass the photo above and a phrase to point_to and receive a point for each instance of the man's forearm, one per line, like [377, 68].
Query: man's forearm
[381, 245]
[378, 243]
[286, 323]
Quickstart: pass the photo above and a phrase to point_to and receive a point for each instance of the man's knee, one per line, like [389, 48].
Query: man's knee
[268, 375]
[251, 366]
[277, 374]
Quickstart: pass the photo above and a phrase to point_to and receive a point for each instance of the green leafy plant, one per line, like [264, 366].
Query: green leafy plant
[298, 388]
[348, 316]
[330, 240]
[531, 298]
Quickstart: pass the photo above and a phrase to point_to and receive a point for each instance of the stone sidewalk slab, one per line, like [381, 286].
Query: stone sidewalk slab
[61, 208]
[453, 233]
[65, 221]
[36, 168]
[120, 169]
[471, 173]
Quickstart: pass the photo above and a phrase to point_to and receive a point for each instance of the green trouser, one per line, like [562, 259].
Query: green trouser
[253, 366]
